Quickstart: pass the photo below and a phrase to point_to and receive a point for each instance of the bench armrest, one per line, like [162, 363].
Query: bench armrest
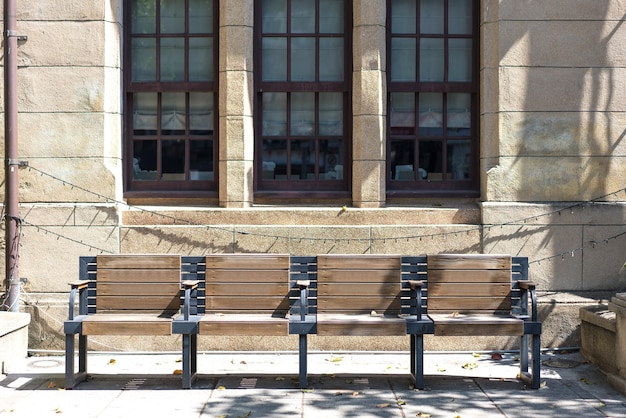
[192, 284]
[189, 286]
[303, 285]
[80, 287]
[416, 289]
[530, 287]
[416, 284]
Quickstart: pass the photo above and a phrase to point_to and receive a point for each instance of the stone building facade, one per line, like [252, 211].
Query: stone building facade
[543, 142]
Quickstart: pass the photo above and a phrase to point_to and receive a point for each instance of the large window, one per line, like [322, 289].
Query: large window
[433, 97]
[170, 95]
[303, 67]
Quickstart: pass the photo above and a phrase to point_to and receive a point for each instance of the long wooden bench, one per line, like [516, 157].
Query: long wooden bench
[122, 295]
[480, 295]
[242, 295]
[360, 295]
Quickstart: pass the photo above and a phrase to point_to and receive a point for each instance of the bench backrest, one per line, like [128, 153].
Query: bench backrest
[475, 283]
[137, 283]
[247, 283]
[359, 284]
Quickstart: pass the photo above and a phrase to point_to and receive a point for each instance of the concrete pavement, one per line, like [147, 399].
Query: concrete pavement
[251, 385]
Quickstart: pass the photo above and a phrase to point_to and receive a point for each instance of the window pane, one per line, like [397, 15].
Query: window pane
[430, 114]
[144, 160]
[302, 16]
[201, 113]
[302, 116]
[331, 16]
[173, 159]
[274, 114]
[431, 60]
[459, 156]
[403, 160]
[173, 120]
[302, 160]
[460, 17]
[172, 59]
[431, 16]
[430, 158]
[331, 160]
[200, 16]
[403, 63]
[201, 160]
[143, 16]
[274, 16]
[460, 60]
[459, 117]
[331, 114]
[145, 113]
[201, 59]
[172, 16]
[144, 59]
[403, 16]
[274, 159]
[402, 113]
[331, 59]
[303, 59]
[274, 59]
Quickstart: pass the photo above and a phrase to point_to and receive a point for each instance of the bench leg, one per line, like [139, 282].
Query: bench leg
[190, 359]
[417, 359]
[303, 361]
[73, 378]
[534, 378]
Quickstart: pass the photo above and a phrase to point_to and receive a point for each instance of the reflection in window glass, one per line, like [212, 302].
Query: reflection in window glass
[172, 55]
[143, 17]
[431, 159]
[201, 59]
[460, 17]
[144, 160]
[200, 16]
[302, 59]
[403, 160]
[274, 114]
[331, 114]
[274, 16]
[173, 114]
[459, 121]
[402, 113]
[403, 62]
[302, 114]
[144, 59]
[430, 118]
[201, 113]
[459, 157]
[173, 159]
[274, 159]
[431, 16]
[302, 16]
[201, 160]
[403, 16]
[274, 59]
[331, 160]
[302, 160]
[145, 114]
[431, 59]
[460, 60]
[172, 16]
[331, 59]
[331, 16]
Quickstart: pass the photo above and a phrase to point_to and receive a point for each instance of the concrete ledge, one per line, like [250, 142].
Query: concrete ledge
[13, 338]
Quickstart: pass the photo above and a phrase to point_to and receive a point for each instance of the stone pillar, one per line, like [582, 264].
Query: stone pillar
[618, 305]
[236, 95]
[369, 104]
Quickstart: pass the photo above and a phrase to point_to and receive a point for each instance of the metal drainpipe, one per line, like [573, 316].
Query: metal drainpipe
[11, 203]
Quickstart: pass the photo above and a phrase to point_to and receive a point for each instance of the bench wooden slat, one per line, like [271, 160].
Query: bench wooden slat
[242, 304]
[477, 325]
[143, 275]
[235, 325]
[139, 302]
[341, 275]
[469, 261]
[461, 304]
[469, 276]
[253, 290]
[360, 325]
[352, 262]
[247, 275]
[123, 289]
[360, 305]
[366, 289]
[247, 261]
[468, 289]
[127, 328]
[134, 261]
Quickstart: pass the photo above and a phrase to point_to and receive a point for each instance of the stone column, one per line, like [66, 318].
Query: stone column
[236, 127]
[369, 104]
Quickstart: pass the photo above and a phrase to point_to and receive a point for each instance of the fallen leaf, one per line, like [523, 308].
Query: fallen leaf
[178, 372]
[112, 361]
[476, 355]
[355, 394]
[58, 411]
[222, 416]
[373, 313]
[423, 415]
[383, 405]
[221, 388]
[179, 360]
[496, 356]
[401, 402]
[247, 415]
[457, 415]
[51, 385]
[454, 314]
[585, 381]
[279, 379]
[335, 359]
[243, 362]
[441, 369]
[349, 381]
[338, 394]
[470, 366]
[306, 390]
